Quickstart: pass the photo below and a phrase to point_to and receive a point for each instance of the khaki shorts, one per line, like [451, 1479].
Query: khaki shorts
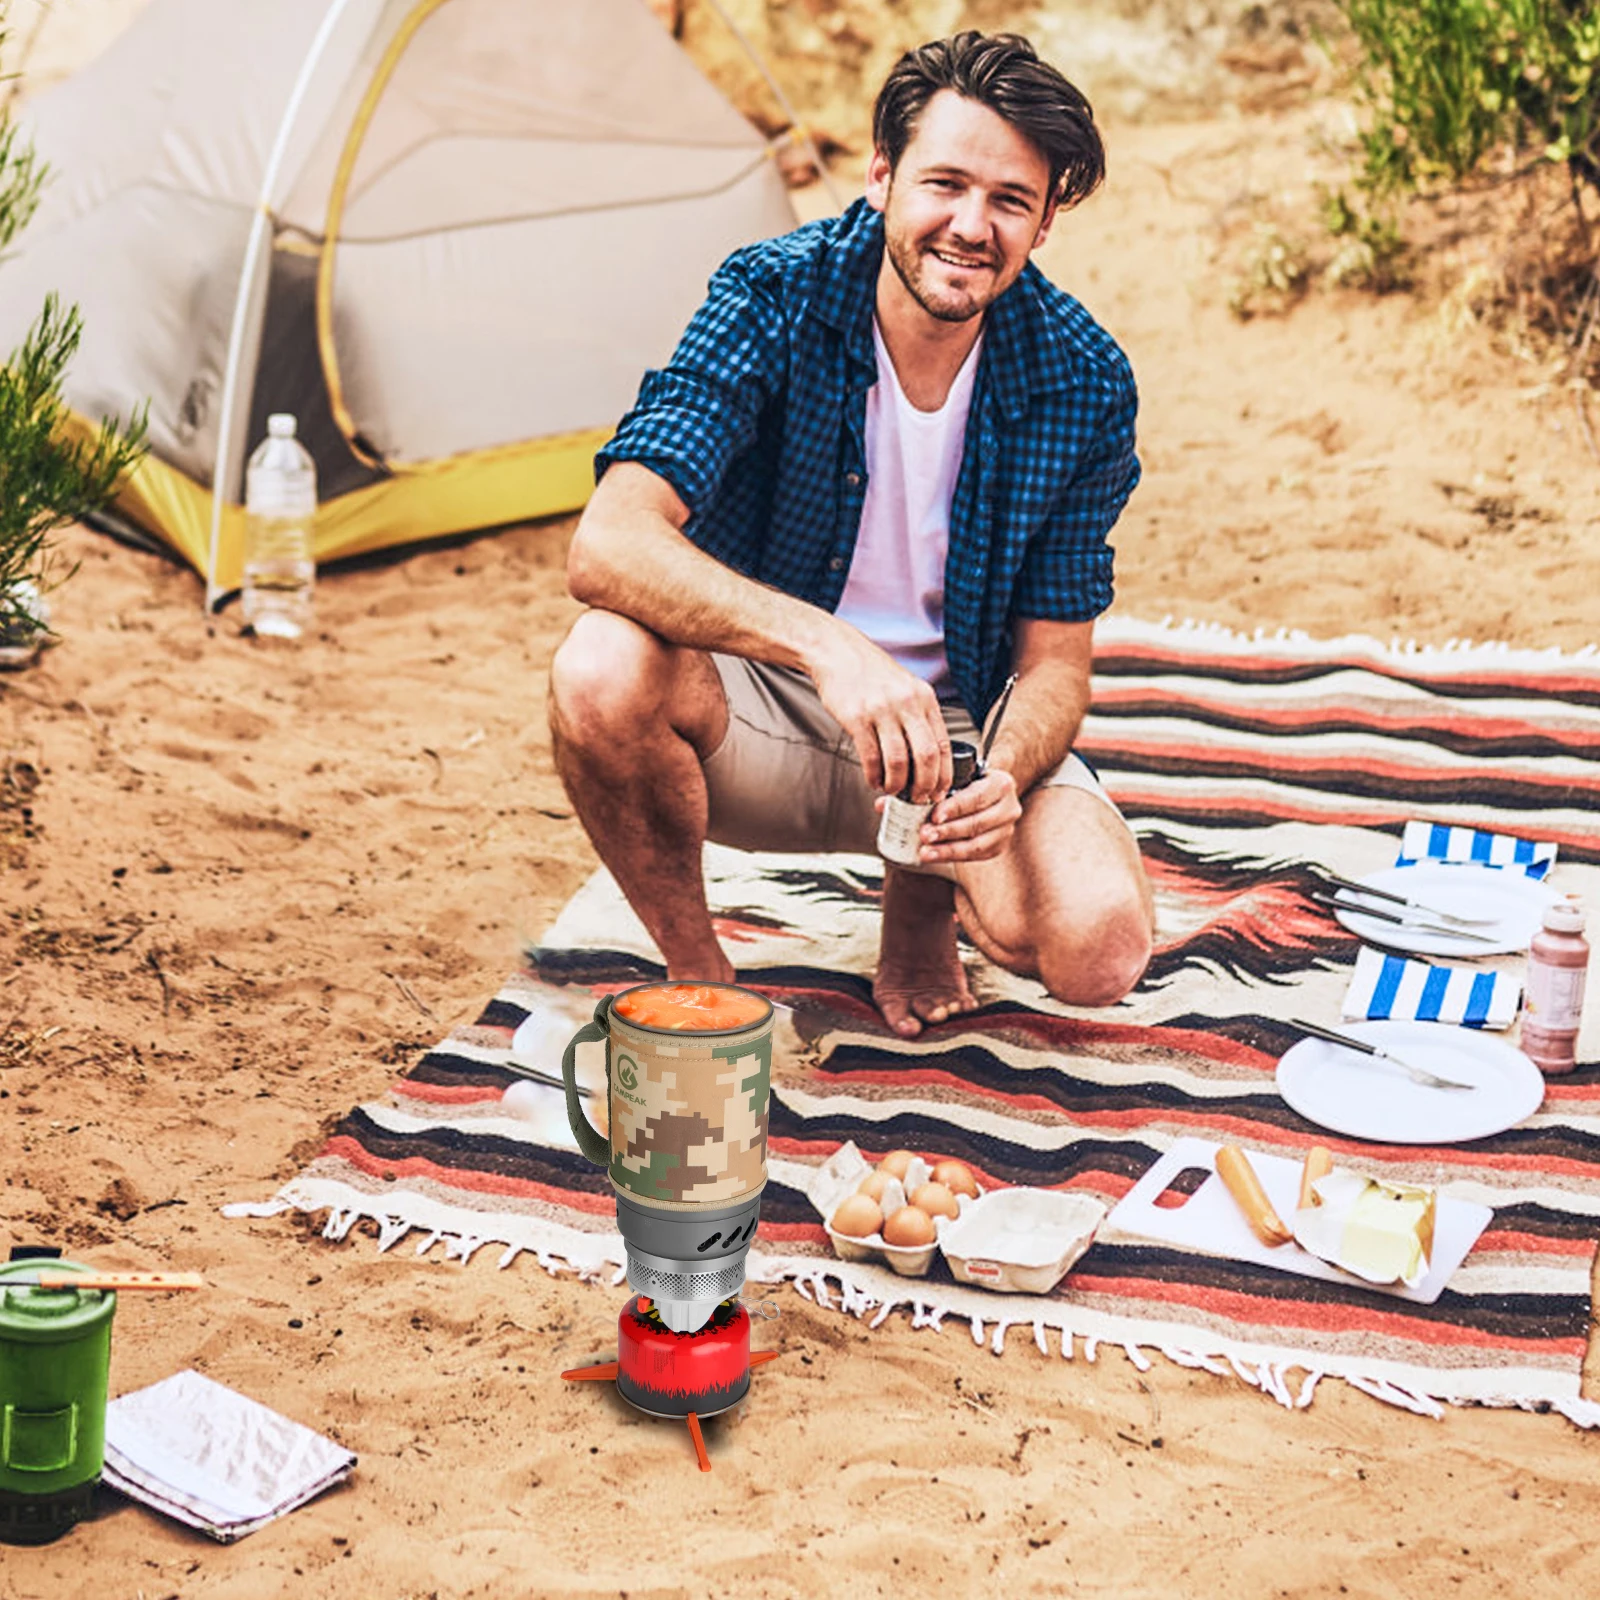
[786, 776]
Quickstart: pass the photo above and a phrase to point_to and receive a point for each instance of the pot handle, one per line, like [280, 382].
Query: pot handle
[591, 1142]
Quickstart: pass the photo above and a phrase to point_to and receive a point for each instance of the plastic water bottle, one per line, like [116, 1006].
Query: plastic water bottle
[280, 507]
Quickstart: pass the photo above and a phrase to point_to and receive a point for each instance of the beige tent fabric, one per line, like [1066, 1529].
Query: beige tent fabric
[534, 207]
[534, 156]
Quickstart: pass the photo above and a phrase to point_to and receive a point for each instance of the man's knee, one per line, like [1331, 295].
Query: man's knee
[605, 674]
[1101, 958]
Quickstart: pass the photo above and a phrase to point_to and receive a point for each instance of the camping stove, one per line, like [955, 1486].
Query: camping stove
[667, 1373]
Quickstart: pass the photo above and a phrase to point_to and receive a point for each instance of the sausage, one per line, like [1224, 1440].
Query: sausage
[1234, 1168]
[1319, 1163]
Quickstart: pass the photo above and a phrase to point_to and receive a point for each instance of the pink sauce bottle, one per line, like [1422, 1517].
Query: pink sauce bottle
[1558, 963]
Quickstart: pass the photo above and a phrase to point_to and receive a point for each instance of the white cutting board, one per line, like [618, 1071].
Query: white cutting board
[1210, 1221]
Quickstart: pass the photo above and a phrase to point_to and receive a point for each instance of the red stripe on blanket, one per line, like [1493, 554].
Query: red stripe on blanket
[793, 1232]
[1286, 765]
[359, 1157]
[1541, 1244]
[1402, 721]
[446, 1094]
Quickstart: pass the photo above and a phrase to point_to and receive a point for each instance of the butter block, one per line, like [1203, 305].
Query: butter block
[1379, 1231]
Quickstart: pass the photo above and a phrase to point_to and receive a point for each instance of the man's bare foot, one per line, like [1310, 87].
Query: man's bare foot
[920, 976]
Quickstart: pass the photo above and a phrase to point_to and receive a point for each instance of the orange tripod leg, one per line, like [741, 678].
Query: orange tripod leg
[699, 1442]
[607, 1370]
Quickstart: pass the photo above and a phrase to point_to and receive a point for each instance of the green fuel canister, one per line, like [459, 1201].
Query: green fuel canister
[55, 1362]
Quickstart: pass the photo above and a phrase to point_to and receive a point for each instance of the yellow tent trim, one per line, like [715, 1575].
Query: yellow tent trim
[330, 232]
[457, 494]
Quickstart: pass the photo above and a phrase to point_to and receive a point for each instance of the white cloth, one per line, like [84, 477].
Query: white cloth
[1390, 986]
[1434, 841]
[895, 589]
[213, 1458]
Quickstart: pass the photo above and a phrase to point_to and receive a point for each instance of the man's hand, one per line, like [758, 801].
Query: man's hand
[891, 714]
[975, 823]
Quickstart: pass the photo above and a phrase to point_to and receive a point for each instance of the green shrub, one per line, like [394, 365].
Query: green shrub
[47, 479]
[1449, 82]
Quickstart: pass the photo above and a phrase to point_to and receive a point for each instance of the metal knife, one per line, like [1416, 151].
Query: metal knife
[1379, 915]
[1400, 900]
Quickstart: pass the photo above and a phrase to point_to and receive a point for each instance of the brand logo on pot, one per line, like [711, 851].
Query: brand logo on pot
[628, 1073]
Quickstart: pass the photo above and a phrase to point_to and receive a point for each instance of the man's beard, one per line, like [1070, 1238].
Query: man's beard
[907, 260]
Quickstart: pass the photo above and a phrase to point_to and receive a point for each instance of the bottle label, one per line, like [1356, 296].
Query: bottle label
[900, 831]
[1555, 996]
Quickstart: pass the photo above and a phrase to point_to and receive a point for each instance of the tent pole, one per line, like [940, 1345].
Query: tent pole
[783, 100]
[250, 300]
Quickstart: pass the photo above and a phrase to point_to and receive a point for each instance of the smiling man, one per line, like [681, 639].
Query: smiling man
[875, 480]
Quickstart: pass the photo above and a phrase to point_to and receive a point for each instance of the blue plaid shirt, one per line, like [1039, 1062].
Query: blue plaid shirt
[759, 424]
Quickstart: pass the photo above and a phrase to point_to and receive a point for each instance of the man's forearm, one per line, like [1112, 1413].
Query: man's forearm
[1046, 709]
[629, 557]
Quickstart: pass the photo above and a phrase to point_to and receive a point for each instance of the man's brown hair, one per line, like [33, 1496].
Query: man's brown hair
[1003, 72]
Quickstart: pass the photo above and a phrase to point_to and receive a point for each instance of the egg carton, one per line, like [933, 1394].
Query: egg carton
[1013, 1241]
[840, 1176]
[1021, 1241]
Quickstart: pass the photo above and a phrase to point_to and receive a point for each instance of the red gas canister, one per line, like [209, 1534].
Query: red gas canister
[671, 1374]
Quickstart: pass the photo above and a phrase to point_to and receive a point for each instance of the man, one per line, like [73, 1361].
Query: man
[875, 480]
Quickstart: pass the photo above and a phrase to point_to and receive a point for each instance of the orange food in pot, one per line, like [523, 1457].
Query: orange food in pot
[691, 1007]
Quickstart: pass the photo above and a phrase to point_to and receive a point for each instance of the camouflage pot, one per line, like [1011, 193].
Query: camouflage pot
[688, 1109]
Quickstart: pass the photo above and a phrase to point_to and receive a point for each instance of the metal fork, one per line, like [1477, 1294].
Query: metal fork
[1430, 1080]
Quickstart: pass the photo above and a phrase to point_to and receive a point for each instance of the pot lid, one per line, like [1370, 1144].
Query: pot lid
[49, 1316]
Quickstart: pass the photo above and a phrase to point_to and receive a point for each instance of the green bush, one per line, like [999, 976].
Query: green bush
[47, 479]
[1449, 82]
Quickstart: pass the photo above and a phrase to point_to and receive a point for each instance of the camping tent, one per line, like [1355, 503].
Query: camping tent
[449, 235]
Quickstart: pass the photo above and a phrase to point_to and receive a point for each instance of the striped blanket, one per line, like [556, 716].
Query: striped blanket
[1240, 763]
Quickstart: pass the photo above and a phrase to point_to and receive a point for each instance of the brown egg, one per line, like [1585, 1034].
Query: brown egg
[936, 1200]
[909, 1226]
[957, 1177]
[874, 1184]
[895, 1163]
[858, 1217]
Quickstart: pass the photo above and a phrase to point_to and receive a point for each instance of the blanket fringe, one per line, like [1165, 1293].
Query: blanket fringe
[1583, 1413]
[1392, 1394]
[819, 1282]
[1113, 629]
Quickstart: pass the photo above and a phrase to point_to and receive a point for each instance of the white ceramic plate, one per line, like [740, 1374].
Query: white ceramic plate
[1348, 1092]
[1513, 903]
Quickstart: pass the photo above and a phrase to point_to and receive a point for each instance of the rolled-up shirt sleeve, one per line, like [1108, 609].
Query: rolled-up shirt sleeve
[1066, 575]
[696, 415]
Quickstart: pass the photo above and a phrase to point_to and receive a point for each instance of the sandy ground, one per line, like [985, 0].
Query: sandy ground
[246, 886]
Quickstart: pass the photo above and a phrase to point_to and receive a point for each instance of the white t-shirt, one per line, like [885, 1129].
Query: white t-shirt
[895, 589]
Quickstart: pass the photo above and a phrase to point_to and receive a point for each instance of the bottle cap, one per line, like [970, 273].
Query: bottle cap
[1565, 916]
[963, 762]
[281, 425]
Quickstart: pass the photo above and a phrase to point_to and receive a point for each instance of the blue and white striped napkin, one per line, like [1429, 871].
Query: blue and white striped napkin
[1390, 986]
[1433, 841]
